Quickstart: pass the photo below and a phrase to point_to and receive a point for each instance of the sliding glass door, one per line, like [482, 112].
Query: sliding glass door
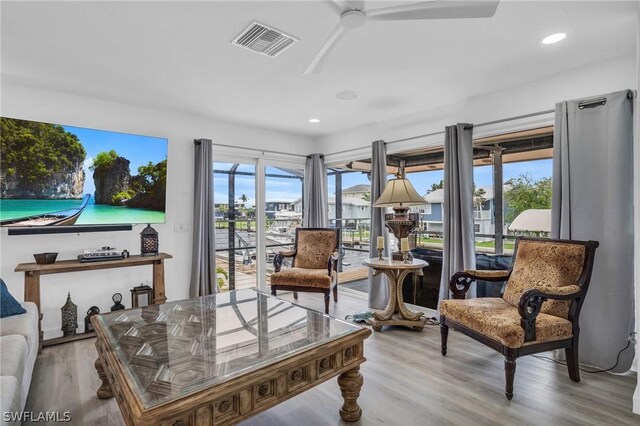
[258, 206]
[235, 215]
[283, 210]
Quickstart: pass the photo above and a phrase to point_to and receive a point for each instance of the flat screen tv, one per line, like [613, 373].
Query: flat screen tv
[53, 175]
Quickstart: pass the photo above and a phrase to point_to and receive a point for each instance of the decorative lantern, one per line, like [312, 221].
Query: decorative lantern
[69, 317]
[149, 241]
[88, 327]
[141, 295]
[117, 298]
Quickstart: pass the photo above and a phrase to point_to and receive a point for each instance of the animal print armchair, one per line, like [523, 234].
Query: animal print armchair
[314, 264]
[539, 307]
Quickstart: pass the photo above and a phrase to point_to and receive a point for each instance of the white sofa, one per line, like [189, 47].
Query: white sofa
[18, 352]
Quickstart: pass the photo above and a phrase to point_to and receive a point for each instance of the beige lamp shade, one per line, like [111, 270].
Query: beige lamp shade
[399, 192]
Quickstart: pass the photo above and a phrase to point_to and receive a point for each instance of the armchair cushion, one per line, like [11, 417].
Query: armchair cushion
[500, 321]
[314, 246]
[301, 277]
[543, 265]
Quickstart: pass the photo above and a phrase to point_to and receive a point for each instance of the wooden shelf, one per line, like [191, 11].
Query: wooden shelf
[33, 271]
[76, 265]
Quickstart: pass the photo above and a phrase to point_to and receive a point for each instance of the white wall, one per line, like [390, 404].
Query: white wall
[599, 78]
[96, 288]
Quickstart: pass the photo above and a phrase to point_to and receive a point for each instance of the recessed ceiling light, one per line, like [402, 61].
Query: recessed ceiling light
[347, 95]
[314, 120]
[553, 38]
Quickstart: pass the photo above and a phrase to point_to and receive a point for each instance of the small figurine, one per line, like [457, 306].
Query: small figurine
[117, 298]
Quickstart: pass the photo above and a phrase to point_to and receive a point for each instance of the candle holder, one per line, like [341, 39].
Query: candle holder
[380, 250]
[405, 257]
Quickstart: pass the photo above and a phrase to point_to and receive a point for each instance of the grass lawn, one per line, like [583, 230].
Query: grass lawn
[508, 245]
[241, 225]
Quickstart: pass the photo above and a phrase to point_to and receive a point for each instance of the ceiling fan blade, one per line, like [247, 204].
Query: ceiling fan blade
[357, 4]
[342, 5]
[333, 38]
[438, 9]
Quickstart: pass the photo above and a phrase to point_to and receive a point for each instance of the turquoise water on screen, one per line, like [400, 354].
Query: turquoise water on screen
[93, 214]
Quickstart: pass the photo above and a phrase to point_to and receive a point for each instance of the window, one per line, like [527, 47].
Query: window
[234, 200]
[349, 209]
[246, 243]
[527, 197]
[483, 203]
[430, 184]
[283, 210]
[524, 167]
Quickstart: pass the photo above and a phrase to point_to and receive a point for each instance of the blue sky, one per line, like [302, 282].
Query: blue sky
[139, 150]
[290, 189]
[277, 189]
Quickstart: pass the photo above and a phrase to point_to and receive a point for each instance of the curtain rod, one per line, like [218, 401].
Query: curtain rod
[517, 117]
[441, 132]
[197, 142]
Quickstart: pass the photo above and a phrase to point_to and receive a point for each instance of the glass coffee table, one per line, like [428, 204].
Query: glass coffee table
[223, 358]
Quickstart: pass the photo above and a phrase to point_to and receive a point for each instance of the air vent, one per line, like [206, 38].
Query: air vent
[263, 39]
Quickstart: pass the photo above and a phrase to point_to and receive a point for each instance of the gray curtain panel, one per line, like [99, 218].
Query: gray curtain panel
[316, 201]
[378, 289]
[459, 245]
[593, 200]
[203, 263]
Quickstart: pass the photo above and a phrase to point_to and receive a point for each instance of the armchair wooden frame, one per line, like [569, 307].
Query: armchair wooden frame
[529, 307]
[332, 265]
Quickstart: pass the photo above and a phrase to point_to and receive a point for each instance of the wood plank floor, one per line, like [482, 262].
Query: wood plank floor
[406, 382]
[353, 274]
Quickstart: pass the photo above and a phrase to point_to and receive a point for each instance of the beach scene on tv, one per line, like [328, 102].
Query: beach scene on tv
[53, 175]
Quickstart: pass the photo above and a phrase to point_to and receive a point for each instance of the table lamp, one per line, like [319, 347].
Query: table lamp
[400, 195]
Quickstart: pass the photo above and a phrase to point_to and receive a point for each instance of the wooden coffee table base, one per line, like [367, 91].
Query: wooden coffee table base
[104, 391]
[248, 395]
[350, 383]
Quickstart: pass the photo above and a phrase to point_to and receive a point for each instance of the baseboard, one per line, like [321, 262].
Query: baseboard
[636, 399]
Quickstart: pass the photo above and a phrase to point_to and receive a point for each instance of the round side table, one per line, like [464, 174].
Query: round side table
[396, 313]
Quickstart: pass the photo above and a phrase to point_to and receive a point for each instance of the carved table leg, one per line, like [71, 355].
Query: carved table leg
[396, 313]
[392, 306]
[104, 391]
[350, 383]
[404, 311]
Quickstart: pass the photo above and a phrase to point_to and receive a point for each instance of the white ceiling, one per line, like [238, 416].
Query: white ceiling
[178, 56]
